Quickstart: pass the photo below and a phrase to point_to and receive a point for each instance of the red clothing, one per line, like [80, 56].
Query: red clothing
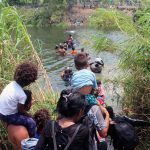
[101, 91]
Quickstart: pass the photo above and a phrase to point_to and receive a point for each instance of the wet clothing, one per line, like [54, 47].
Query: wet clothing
[73, 52]
[62, 51]
[18, 119]
[80, 141]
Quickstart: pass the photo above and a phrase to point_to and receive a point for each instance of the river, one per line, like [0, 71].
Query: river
[84, 37]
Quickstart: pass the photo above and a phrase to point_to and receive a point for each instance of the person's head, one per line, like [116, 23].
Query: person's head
[70, 35]
[25, 73]
[56, 47]
[110, 111]
[82, 50]
[68, 70]
[28, 101]
[98, 82]
[73, 48]
[61, 46]
[41, 117]
[80, 61]
[71, 105]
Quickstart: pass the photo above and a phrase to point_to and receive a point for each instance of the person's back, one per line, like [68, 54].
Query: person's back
[62, 51]
[78, 142]
[8, 98]
[13, 98]
[58, 134]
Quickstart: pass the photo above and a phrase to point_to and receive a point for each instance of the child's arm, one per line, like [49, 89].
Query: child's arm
[106, 118]
[22, 110]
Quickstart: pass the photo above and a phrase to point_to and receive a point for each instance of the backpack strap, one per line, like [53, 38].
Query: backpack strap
[53, 134]
[74, 134]
[70, 141]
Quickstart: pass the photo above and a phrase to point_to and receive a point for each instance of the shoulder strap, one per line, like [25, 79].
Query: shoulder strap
[53, 134]
[74, 134]
[70, 141]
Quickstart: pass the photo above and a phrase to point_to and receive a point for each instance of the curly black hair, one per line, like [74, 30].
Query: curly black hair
[25, 73]
[41, 117]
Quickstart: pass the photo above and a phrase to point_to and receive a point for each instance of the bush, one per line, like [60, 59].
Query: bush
[104, 44]
[110, 20]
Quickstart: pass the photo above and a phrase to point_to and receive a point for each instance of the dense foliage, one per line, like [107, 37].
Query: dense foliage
[135, 60]
[135, 56]
[42, 12]
[15, 47]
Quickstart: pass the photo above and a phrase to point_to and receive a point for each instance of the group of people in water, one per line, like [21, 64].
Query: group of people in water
[82, 121]
[63, 47]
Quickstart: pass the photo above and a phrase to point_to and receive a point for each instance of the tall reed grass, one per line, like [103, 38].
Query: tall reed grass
[15, 47]
[134, 62]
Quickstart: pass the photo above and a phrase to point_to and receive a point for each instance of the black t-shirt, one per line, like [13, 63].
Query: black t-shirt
[80, 141]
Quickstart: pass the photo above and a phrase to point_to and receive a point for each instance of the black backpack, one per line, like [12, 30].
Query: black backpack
[61, 140]
[86, 121]
[123, 135]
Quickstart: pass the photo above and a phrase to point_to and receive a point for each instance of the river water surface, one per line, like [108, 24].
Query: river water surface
[83, 37]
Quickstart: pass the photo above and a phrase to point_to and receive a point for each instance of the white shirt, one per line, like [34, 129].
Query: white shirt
[11, 95]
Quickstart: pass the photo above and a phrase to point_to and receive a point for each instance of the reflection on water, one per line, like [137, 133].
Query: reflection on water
[55, 64]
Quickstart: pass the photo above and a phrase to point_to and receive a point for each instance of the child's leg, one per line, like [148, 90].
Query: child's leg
[28, 122]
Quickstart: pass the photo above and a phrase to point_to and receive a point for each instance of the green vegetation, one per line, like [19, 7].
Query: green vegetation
[104, 44]
[135, 57]
[50, 12]
[15, 47]
[135, 60]
[111, 20]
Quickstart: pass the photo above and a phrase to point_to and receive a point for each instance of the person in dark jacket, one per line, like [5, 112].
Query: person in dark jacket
[70, 109]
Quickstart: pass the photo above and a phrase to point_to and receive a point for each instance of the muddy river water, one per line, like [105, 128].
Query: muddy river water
[45, 39]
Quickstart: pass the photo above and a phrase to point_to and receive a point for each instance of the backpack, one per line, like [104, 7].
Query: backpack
[92, 131]
[124, 135]
[61, 140]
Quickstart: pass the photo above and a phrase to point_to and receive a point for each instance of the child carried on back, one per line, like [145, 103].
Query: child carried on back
[15, 102]
[84, 81]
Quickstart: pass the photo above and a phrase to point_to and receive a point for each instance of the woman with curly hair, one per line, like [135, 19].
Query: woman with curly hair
[41, 117]
[13, 98]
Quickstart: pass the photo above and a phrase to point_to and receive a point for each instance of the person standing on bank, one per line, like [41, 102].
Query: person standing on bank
[13, 98]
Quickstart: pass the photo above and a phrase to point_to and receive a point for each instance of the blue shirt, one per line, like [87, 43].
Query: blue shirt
[83, 78]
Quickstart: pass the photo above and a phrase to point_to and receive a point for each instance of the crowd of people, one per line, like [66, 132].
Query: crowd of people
[82, 121]
[62, 48]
